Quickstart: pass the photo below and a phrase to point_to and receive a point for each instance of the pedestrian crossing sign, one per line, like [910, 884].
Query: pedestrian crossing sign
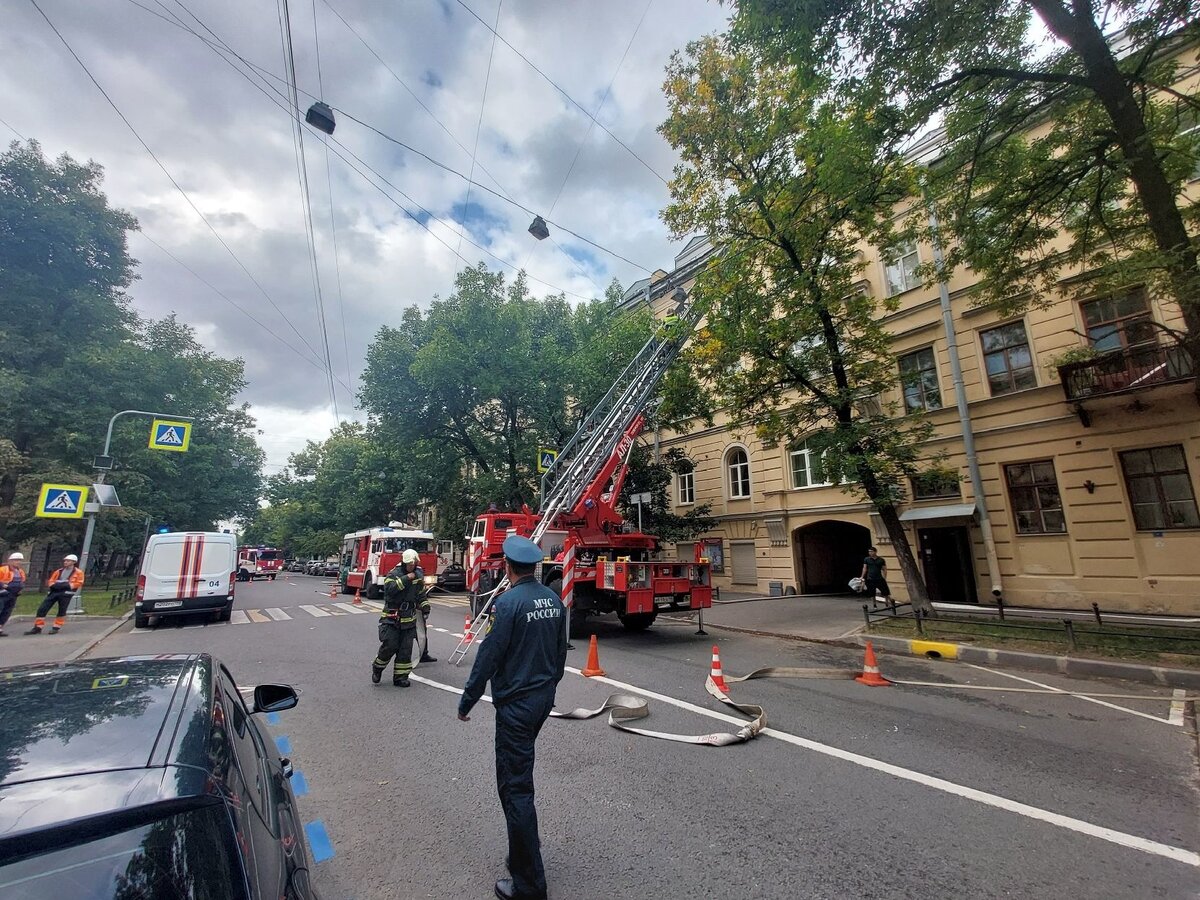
[167, 434]
[62, 501]
[546, 458]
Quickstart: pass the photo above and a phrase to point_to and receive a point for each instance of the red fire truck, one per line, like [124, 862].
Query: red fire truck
[259, 562]
[594, 559]
[368, 555]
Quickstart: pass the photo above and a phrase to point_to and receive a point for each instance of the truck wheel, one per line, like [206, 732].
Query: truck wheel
[272, 577]
[140, 621]
[370, 588]
[637, 621]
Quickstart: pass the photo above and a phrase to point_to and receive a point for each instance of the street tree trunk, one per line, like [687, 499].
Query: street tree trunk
[917, 592]
[1081, 33]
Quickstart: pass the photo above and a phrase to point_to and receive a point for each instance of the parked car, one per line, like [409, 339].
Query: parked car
[145, 777]
[331, 568]
[313, 566]
[452, 578]
[296, 565]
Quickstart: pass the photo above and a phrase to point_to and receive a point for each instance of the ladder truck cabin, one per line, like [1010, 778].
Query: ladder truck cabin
[258, 562]
[594, 559]
[368, 555]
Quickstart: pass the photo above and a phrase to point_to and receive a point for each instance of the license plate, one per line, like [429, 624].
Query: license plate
[168, 604]
[663, 600]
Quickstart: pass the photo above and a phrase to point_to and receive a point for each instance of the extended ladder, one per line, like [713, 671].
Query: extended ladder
[577, 464]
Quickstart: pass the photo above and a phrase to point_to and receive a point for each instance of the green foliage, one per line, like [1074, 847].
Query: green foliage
[657, 477]
[789, 178]
[72, 354]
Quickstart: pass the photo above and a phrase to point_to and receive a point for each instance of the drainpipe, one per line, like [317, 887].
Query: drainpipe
[964, 415]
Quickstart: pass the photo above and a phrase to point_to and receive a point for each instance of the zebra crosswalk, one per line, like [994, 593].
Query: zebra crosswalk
[331, 609]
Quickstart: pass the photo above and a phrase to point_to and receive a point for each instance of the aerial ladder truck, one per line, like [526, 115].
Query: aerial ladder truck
[596, 561]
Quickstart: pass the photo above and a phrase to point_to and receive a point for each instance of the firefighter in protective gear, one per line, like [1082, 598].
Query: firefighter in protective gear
[403, 597]
[63, 585]
[12, 580]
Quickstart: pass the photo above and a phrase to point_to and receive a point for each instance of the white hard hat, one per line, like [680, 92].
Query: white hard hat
[16, 557]
[410, 556]
[72, 557]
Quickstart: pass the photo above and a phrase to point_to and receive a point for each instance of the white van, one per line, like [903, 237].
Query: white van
[186, 572]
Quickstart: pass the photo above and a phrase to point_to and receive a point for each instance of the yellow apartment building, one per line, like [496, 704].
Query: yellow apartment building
[1089, 471]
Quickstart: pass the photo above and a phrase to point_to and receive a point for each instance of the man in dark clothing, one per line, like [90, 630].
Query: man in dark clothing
[403, 594]
[524, 656]
[874, 573]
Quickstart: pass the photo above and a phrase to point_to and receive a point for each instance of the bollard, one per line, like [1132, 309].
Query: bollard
[1096, 613]
[1000, 607]
[866, 615]
[920, 625]
[1067, 624]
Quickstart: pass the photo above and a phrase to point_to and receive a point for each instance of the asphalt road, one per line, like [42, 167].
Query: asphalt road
[905, 791]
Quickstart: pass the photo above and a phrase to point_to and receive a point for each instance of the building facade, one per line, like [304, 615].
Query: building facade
[1086, 430]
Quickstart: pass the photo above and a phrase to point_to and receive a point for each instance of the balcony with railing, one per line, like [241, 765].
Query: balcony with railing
[1126, 370]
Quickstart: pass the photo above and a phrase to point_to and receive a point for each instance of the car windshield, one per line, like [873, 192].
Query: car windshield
[395, 545]
[268, 554]
[184, 855]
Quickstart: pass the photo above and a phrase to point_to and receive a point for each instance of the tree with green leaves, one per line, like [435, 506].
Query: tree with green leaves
[789, 179]
[1070, 136]
[73, 353]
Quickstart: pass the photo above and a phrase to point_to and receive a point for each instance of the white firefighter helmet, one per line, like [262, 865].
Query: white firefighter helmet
[72, 557]
[17, 557]
[410, 556]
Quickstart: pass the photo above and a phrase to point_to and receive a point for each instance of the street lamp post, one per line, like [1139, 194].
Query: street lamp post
[77, 600]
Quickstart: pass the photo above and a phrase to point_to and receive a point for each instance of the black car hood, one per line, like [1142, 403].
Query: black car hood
[83, 717]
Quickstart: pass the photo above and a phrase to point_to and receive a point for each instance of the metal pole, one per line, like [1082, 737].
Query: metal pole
[964, 415]
[77, 600]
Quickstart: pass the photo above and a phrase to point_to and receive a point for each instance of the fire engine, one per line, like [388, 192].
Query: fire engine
[368, 555]
[594, 559]
[258, 562]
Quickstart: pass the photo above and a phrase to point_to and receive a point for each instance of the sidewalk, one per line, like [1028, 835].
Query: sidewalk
[816, 617]
[78, 634]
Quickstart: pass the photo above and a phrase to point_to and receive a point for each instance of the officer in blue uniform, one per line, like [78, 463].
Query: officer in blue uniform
[524, 656]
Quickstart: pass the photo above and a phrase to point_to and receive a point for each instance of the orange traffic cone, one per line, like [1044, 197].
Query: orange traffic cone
[870, 675]
[467, 628]
[718, 679]
[333, 592]
[592, 668]
[358, 596]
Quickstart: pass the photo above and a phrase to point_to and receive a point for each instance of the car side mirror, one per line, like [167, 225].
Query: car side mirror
[274, 697]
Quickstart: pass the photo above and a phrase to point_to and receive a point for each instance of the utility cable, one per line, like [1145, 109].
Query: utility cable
[592, 123]
[487, 79]
[220, 47]
[442, 125]
[337, 266]
[13, 130]
[289, 61]
[563, 91]
[171, 177]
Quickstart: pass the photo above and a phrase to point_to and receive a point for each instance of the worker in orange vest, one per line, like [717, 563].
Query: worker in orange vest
[63, 585]
[12, 579]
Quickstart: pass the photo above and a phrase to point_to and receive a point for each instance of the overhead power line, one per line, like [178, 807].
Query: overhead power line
[170, 177]
[487, 79]
[563, 91]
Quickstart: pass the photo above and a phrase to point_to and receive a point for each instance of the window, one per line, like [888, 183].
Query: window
[1119, 322]
[936, 486]
[1033, 495]
[806, 467]
[687, 486]
[1007, 358]
[1189, 130]
[738, 465]
[918, 377]
[1160, 488]
[900, 269]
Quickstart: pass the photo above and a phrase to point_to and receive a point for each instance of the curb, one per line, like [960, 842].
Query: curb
[1083, 667]
[75, 654]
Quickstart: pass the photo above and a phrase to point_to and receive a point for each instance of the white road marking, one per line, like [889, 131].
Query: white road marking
[334, 611]
[1175, 717]
[238, 617]
[442, 630]
[277, 614]
[1079, 826]
[351, 608]
[1051, 688]
[256, 616]
[315, 611]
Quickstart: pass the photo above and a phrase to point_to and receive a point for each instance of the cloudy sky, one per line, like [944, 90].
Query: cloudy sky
[412, 69]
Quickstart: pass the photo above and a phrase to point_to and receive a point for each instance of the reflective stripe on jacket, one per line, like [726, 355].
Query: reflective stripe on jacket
[74, 580]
